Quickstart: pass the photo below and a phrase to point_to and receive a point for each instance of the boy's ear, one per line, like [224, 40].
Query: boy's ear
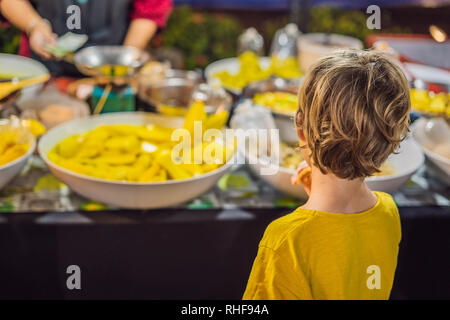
[300, 134]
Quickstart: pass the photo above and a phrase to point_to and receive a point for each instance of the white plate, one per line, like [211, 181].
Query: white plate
[428, 73]
[232, 65]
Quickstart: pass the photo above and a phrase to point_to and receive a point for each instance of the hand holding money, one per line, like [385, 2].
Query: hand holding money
[41, 35]
[68, 43]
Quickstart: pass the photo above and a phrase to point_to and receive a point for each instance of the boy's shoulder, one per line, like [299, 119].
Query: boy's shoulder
[303, 223]
[280, 229]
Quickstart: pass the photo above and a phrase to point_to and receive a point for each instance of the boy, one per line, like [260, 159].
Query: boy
[343, 243]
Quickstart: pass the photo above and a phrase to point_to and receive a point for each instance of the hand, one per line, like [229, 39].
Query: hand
[303, 176]
[40, 36]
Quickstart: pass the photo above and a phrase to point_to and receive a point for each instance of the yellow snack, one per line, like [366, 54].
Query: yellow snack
[195, 113]
[13, 152]
[282, 102]
[173, 111]
[14, 142]
[36, 128]
[137, 153]
[250, 70]
[150, 173]
[429, 102]
[217, 120]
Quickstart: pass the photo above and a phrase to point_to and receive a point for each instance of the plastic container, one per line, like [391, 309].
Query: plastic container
[251, 40]
[284, 43]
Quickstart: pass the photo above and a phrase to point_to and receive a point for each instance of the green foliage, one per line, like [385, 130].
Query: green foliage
[333, 20]
[202, 38]
[9, 39]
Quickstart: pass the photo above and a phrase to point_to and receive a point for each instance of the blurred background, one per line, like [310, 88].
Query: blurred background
[203, 31]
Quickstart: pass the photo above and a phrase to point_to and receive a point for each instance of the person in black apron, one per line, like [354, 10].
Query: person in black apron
[106, 22]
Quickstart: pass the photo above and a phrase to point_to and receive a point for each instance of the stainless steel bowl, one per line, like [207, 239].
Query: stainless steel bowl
[175, 88]
[92, 60]
[270, 85]
[179, 88]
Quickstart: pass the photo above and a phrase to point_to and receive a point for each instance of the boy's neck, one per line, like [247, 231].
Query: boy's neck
[332, 194]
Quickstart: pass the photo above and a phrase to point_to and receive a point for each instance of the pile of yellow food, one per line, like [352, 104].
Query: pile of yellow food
[139, 153]
[429, 102]
[251, 70]
[282, 102]
[14, 142]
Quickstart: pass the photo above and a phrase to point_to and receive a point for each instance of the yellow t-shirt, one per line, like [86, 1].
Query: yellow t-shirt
[309, 254]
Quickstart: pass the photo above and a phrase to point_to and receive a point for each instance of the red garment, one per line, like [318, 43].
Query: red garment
[155, 10]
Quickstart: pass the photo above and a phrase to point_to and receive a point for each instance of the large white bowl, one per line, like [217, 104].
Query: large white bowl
[120, 193]
[232, 65]
[419, 134]
[408, 159]
[313, 46]
[13, 168]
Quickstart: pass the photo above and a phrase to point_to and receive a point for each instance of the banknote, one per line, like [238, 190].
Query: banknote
[67, 43]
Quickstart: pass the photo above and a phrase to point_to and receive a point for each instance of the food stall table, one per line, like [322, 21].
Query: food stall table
[202, 250]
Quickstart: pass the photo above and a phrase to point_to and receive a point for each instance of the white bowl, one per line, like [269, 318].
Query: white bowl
[435, 134]
[281, 180]
[408, 159]
[232, 65]
[13, 168]
[121, 193]
[313, 46]
[23, 68]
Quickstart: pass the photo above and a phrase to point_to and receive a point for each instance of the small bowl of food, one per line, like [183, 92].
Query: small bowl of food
[17, 144]
[398, 168]
[280, 97]
[236, 73]
[110, 61]
[175, 94]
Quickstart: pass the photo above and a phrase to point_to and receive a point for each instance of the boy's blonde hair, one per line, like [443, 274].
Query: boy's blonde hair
[354, 111]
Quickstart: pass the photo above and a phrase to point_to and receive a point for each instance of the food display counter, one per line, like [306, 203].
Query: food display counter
[200, 250]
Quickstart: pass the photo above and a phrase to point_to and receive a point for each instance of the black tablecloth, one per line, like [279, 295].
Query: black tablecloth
[182, 254]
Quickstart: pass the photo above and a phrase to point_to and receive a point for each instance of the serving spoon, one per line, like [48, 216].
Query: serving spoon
[6, 88]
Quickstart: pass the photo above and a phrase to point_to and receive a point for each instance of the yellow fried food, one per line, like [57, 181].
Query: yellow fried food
[282, 102]
[173, 111]
[251, 70]
[140, 153]
[12, 145]
[428, 102]
[36, 128]
[285, 68]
